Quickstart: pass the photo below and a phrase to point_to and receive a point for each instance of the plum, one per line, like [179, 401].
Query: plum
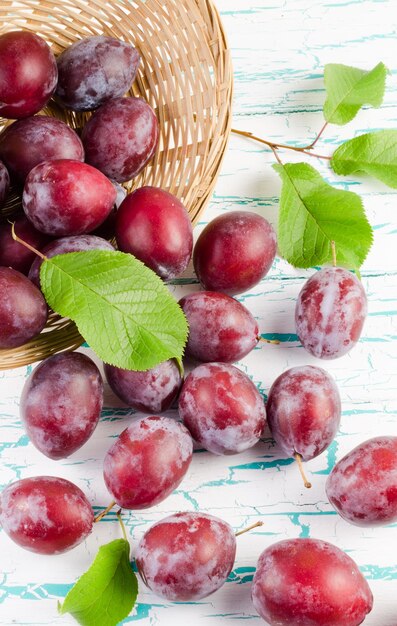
[307, 581]
[186, 556]
[67, 197]
[61, 403]
[304, 411]
[330, 313]
[234, 252]
[78, 243]
[220, 327]
[121, 137]
[28, 74]
[147, 462]
[23, 310]
[26, 143]
[155, 227]
[222, 408]
[14, 254]
[45, 514]
[94, 70]
[362, 486]
[153, 390]
[4, 183]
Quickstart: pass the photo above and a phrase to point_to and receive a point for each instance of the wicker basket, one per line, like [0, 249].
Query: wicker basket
[185, 75]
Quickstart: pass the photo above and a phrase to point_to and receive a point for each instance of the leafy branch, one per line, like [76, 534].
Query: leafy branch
[312, 213]
[277, 146]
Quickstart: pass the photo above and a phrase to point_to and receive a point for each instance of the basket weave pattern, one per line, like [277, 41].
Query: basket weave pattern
[185, 75]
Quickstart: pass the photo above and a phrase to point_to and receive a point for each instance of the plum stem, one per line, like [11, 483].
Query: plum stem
[333, 250]
[273, 341]
[276, 146]
[298, 459]
[24, 243]
[104, 512]
[246, 530]
[118, 515]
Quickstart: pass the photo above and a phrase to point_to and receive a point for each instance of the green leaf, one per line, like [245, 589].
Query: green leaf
[106, 593]
[313, 214]
[349, 88]
[373, 153]
[121, 308]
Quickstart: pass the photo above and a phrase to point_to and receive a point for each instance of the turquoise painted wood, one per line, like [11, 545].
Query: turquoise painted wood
[279, 51]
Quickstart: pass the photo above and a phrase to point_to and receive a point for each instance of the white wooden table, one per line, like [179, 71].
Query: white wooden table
[279, 51]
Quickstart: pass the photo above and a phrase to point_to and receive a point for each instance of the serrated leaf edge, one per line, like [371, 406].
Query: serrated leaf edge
[386, 71]
[126, 545]
[357, 169]
[280, 167]
[50, 260]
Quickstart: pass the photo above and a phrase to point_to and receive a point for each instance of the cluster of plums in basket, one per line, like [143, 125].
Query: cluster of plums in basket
[189, 555]
[69, 185]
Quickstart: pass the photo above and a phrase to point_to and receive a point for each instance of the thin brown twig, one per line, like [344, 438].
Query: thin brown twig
[276, 155]
[311, 146]
[271, 144]
[276, 146]
[315, 155]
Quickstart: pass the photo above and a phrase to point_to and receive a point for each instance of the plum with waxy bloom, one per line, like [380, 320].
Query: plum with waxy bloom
[222, 408]
[220, 328]
[64, 245]
[330, 313]
[94, 70]
[307, 581]
[186, 556]
[4, 183]
[362, 486]
[147, 462]
[67, 197]
[121, 137]
[153, 390]
[304, 411]
[45, 514]
[61, 403]
[28, 142]
[23, 310]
